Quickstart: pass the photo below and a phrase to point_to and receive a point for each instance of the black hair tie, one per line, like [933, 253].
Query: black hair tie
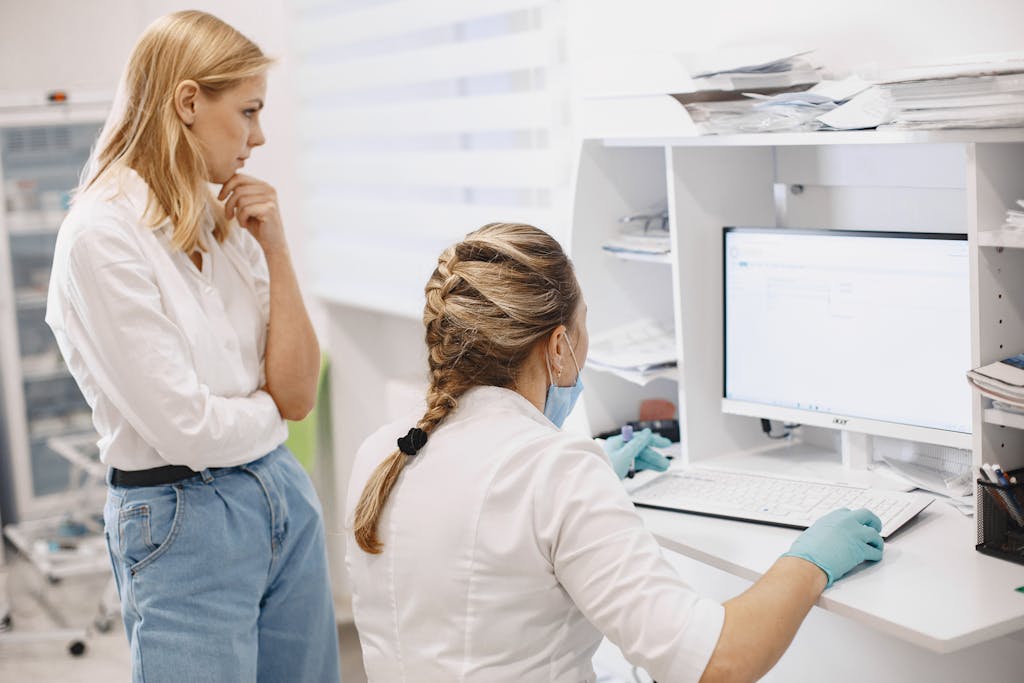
[411, 443]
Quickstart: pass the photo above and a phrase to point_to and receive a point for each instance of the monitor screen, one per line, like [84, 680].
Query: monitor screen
[872, 325]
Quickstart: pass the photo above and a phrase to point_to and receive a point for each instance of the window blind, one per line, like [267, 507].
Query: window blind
[419, 121]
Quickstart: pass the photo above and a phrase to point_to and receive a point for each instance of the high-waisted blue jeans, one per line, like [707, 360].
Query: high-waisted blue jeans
[223, 576]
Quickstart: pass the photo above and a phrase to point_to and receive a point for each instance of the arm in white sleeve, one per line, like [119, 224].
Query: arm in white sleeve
[142, 361]
[614, 571]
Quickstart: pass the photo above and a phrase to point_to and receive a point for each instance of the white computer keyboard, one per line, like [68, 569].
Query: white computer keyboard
[772, 500]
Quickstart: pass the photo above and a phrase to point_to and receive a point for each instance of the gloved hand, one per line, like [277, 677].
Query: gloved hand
[639, 448]
[840, 541]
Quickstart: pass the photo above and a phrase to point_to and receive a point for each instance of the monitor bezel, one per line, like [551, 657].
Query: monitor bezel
[932, 435]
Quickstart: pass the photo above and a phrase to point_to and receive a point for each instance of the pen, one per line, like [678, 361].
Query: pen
[627, 436]
[995, 475]
[1012, 494]
[988, 473]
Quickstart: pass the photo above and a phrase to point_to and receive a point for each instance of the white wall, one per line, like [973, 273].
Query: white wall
[846, 35]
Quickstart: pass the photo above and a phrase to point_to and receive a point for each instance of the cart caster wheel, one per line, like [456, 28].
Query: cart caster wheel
[103, 624]
[5, 623]
[77, 648]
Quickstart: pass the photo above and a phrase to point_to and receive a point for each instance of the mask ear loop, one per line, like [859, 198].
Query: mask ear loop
[573, 354]
[551, 377]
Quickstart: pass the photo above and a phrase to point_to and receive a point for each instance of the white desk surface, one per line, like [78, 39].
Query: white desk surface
[932, 588]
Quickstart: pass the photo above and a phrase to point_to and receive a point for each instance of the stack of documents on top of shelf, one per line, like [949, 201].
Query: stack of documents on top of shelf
[722, 78]
[802, 110]
[1002, 381]
[752, 67]
[984, 92]
[640, 351]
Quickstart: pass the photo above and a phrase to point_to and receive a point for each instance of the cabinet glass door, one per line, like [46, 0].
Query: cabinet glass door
[41, 166]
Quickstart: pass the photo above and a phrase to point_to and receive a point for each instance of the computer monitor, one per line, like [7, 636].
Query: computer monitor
[860, 330]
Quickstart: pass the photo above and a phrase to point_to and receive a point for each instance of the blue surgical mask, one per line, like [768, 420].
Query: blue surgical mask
[560, 400]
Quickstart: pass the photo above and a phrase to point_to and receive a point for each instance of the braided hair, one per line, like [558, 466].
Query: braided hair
[492, 297]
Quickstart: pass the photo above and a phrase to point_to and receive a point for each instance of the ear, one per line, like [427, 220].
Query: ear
[186, 97]
[556, 349]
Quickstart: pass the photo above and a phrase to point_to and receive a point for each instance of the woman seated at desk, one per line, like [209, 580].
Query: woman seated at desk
[492, 546]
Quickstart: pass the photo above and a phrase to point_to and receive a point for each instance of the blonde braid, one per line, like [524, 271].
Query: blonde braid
[442, 399]
[490, 299]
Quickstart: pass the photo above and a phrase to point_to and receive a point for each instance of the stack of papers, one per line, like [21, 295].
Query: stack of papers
[815, 109]
[652, 243]
[751, 68]
[644, 235]
[640, 351]
[976, 93]
[722, 79]
[868, 109]
[1002, 381]
[1015, 217]
[802, 110]
[936, 477]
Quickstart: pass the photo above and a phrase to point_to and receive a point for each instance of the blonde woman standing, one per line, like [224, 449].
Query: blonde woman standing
[491, 546]
[179, 315]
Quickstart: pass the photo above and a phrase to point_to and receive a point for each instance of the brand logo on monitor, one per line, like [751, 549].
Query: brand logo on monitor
[838, 420]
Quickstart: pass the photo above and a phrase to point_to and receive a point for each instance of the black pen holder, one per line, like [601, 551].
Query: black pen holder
[1001, 519]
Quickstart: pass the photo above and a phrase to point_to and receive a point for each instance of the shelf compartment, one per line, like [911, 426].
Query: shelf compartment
[665, 259]
[670, 374]
[34, 222]
[1003, 418]
[42, 375]
[30, 299]
[1011, 239]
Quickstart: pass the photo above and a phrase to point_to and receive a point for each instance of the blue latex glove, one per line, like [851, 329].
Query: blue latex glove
[840, 541]
[639, 447]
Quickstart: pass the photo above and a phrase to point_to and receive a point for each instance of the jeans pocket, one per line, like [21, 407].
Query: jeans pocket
[148, 522]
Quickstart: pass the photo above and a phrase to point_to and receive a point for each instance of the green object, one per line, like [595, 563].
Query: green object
[623, 453]
[304, 436]
[1019, 589]
[840, 541]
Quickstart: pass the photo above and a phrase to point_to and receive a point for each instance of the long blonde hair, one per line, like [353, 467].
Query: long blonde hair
[491, 298]
[144, 131]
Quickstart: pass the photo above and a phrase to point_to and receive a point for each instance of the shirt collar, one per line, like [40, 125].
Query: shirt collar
[487, 399]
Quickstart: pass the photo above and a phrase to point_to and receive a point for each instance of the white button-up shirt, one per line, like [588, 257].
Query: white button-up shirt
[509, 548]
[169, 357]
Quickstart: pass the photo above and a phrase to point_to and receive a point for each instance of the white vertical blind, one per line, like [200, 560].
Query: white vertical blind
[421, 120]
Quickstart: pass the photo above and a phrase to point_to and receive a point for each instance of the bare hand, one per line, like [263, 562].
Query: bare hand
[254, 203]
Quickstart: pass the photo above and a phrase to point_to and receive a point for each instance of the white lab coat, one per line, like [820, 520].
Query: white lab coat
[509, 548]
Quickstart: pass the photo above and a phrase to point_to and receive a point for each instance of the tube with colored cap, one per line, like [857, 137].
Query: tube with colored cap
[627, 436]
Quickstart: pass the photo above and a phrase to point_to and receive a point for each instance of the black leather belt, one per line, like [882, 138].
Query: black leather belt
[168, 474]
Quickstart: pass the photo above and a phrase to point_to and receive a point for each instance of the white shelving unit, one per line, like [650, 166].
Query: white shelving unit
[943, 181]
[42, 152]
[1003, 418]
